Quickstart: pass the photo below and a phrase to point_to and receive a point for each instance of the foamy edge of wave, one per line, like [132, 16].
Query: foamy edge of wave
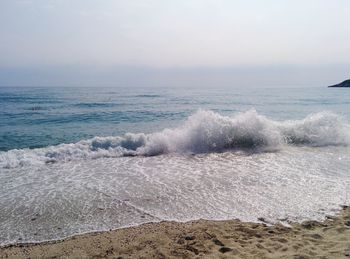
[204, 131]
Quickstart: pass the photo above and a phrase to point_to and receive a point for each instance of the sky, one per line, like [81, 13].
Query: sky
[174, 42]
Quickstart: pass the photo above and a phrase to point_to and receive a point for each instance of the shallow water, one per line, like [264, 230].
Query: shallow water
[286, 159]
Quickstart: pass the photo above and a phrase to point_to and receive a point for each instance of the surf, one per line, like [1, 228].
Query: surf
[204, 131]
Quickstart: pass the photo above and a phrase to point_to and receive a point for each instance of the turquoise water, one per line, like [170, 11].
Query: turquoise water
[77, 160]
[39, 117]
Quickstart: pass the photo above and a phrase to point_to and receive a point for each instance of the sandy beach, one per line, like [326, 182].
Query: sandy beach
[174, 129]
[202, 239]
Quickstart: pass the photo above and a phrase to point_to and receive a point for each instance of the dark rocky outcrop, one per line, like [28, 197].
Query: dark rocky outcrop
[346, 83]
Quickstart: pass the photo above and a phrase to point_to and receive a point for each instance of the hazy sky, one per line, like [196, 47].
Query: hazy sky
[174, 42]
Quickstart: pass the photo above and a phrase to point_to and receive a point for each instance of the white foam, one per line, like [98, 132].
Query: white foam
[204, 131]
[296, 183]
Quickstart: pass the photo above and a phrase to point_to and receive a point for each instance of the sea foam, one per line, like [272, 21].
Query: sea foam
[204, 131]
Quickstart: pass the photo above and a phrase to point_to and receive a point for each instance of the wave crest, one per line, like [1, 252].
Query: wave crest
[204, 131]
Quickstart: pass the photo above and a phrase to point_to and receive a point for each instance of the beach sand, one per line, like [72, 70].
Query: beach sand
[202, 239]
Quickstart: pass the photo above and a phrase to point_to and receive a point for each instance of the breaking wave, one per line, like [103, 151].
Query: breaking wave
[204, 131]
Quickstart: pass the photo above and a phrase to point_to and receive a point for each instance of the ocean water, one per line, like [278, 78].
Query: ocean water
[77, 160]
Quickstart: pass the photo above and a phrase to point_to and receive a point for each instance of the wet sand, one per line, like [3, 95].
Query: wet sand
[202, 239]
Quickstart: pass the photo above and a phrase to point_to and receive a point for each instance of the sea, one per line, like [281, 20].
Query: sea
[79, 160]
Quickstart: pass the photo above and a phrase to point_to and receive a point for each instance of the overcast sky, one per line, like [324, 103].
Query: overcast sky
[174, 42]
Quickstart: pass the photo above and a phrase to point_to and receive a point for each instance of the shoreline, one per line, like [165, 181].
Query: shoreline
[201, 239]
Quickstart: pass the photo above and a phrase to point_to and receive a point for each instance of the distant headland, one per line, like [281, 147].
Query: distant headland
[346, 83]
